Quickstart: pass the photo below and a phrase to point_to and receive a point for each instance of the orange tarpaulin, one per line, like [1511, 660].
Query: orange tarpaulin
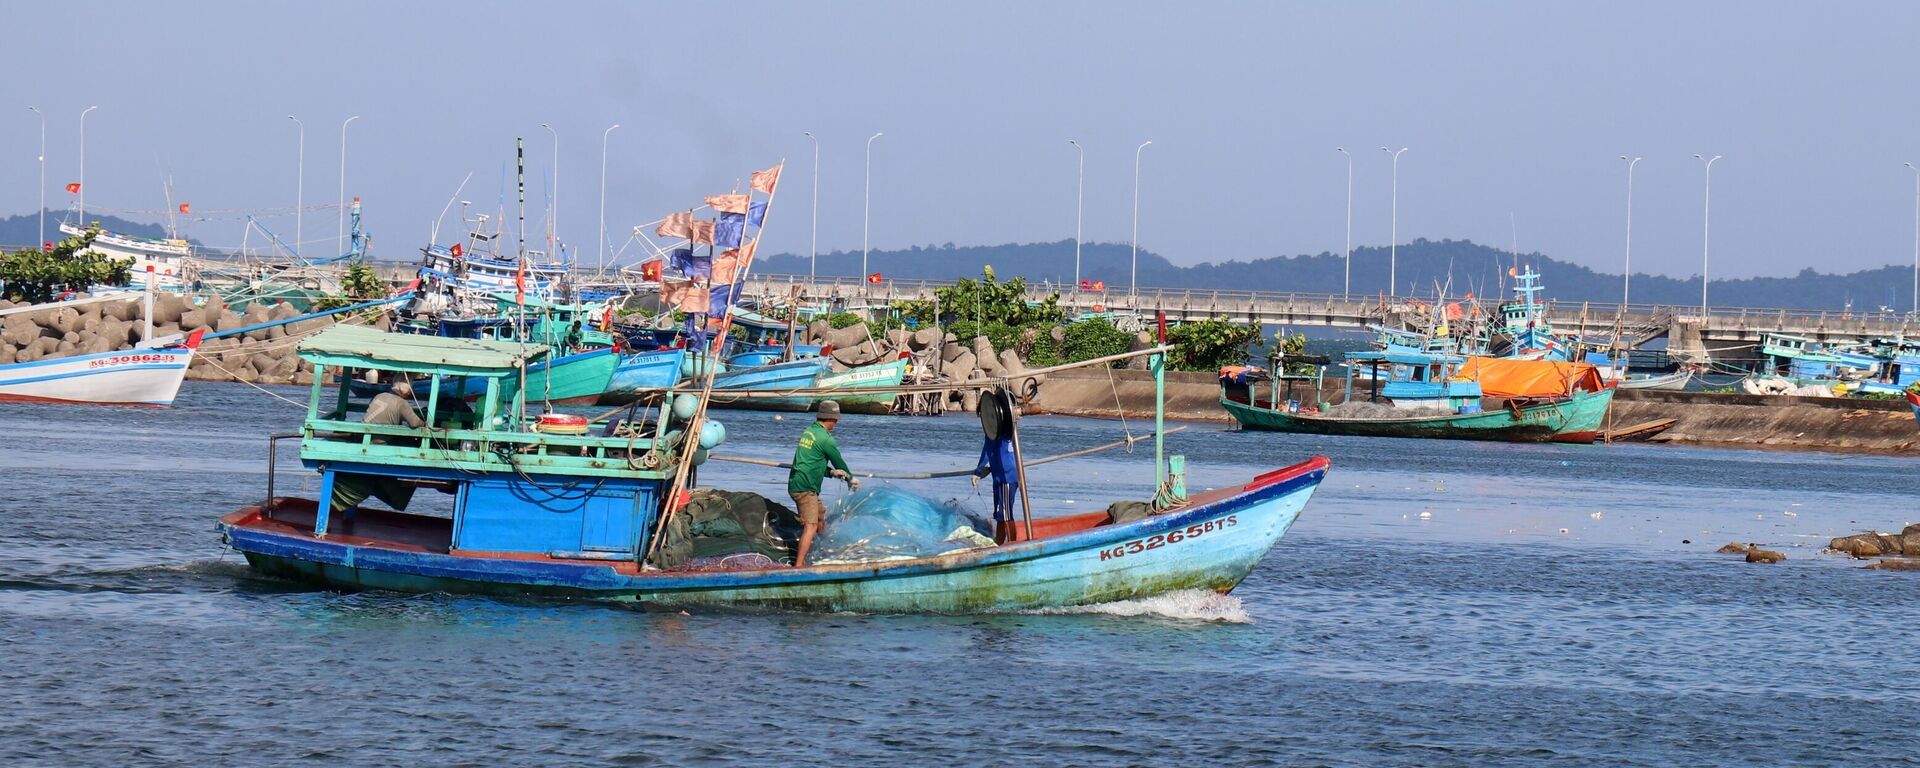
[1529, 378]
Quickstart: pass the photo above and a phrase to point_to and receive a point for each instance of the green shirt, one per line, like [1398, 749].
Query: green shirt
[811, 458]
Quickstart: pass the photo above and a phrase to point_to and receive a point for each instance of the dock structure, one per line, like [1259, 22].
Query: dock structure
[1685, 328]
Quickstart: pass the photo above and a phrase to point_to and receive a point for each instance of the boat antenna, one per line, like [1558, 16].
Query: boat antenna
[434, 236]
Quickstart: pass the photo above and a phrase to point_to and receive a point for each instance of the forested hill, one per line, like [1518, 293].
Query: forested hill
[1422, 263]
[18, 231]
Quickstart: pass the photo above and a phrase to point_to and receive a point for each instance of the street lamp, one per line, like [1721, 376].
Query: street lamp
[1393, 239]
[1079, 211]
[1706, 236]
[300, 189]
[1347, 285]
[553, 202]
[83, 166]
[1133, 277]
[42, 214]
[813, 255]
[1626, 288]
[1916, 237]
[340, 237]
[603, 194]
[866, 208]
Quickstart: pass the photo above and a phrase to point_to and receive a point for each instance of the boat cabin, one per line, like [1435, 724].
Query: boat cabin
[520, 486]
[1413, 379]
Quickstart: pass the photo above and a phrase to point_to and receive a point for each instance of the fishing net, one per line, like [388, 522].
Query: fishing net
[716, 525]
[887, 523]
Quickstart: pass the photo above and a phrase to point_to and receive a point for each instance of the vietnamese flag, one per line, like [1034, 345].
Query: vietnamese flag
[874, 278]
[186, 208]
[1099, 285]
[650, 271]
[73, 187]
[456, 250]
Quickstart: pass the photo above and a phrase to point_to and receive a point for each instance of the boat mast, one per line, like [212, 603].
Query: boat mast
[520, 330]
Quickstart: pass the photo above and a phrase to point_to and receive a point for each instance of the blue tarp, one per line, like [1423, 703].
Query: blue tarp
[887, 523]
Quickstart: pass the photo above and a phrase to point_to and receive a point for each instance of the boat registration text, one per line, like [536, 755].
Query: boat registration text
[1159, 540]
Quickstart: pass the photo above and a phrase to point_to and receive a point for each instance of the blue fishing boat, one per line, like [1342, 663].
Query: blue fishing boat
[558, 509]
[641, 371]
[1526, 332]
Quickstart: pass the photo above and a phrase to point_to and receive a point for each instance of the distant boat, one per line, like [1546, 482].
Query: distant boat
[576, 379]
[815, 374]
[1433, 396]
[128, 377]
[658, 369]
[166, 259]
[1661, 381]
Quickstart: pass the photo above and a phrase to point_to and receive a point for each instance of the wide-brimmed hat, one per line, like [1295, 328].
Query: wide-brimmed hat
[828, 411]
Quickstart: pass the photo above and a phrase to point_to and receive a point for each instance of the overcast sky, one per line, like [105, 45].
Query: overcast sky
[1511, 112]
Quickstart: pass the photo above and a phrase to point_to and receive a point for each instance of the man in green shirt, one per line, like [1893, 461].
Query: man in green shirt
[811, 460]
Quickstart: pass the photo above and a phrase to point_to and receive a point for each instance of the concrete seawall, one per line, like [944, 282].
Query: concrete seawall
[1810, 423]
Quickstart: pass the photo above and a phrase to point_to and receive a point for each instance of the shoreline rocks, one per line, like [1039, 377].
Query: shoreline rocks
[263, 356]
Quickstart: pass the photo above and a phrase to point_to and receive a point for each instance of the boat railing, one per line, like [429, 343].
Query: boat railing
[490, 450]
[273, 452]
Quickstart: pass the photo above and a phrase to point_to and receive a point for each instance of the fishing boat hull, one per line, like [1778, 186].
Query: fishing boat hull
[132, 377]
[1213, 543]
[1671, 382]
[643, 371]
[1913, 401]
[576, 379]
[778, 377]
[1573, 420]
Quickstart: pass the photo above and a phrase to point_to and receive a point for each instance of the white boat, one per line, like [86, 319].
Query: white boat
[148, 376]
[1669, 381]
[166, 259]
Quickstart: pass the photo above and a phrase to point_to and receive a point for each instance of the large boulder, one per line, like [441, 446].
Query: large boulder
[195, 319]
[899, 338]
[1757, 555]
[846, 337]
[229, 321]
[168, 307]
[817, 331]
[962, 366]
[858, 354]
[924, 339]
[19, 330]
[62, 319]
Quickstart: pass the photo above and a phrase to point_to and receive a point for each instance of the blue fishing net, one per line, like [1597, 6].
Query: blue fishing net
[886, 523]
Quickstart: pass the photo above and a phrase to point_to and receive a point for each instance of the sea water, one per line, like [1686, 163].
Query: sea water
[1438, 603]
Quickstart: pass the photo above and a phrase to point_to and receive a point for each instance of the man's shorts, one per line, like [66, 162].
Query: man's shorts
[807, 503]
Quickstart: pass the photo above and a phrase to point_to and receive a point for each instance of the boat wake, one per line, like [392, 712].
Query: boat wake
[1198, 605]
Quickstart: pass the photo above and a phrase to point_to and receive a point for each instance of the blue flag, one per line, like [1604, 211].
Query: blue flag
[722, 298]
[686, 262]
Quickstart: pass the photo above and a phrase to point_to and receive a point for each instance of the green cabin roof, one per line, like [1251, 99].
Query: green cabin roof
[356, 346]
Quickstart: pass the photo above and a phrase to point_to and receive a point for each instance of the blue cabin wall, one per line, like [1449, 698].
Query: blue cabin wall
[595, 517]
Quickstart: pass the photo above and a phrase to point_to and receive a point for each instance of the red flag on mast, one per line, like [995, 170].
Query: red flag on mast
[73, 187]
[520, 283]
[186, 208]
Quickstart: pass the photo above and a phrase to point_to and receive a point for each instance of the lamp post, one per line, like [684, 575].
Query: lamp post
[83, 166]
[1346, 286]
[300, 188]
[1706, 235]
[866, 207]
[1079, 210]
[603, 194]
[813, 249]
[1133, 276]
[340, 236]
[1626, 288]
[553, 214]
[42, 214]
[1916, 236]
[1393, 238]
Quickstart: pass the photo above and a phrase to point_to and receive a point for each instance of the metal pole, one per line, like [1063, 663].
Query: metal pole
[1133, 275]
[1346, 286]
[1916, 235]
[340, 236]
[813, 249]
[300, 189]
[1706, 238]
[553, 200]
[42, 214]
[1393, 244]
[1079, 211]
[1626, 288]
[866, 209]
[83, 166]
[603, 194]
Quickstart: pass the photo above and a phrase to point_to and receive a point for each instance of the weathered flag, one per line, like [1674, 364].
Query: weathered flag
[766, 180]
[73, 187]
[677, 224]
[700, 232]
[731, 203]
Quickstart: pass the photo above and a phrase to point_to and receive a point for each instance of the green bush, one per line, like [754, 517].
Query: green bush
[844, 319]
[360, 283]
[1207, 345]
[988, 300]
[1089, 339]
[37, 276]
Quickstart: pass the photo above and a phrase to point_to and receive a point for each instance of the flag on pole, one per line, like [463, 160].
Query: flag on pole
[650, 271]
[728, 231]
[727, 265]
[1099, 285]
[700, 232]
[456, 250]
[874, 278]
[73, 187]
[677, 224]
[686, 295]
[186, 208]
[766, 180]
[520, 283]
[731, 203]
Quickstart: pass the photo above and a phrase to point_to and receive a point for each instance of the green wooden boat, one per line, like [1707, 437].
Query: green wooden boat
[1426, 395]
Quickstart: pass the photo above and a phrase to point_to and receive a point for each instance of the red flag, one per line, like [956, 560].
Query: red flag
[73, 187]
[1099, 285]
[874, 278]
[186, 208]
[520, 283]
[766, 180]
[1086, 285]
[47, 246]
[650, 271]
[733, 203]
[456, 250]
[677, 224]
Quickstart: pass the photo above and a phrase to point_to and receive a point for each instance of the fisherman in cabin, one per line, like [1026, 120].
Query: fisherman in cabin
[394, 406]
[811, 460]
